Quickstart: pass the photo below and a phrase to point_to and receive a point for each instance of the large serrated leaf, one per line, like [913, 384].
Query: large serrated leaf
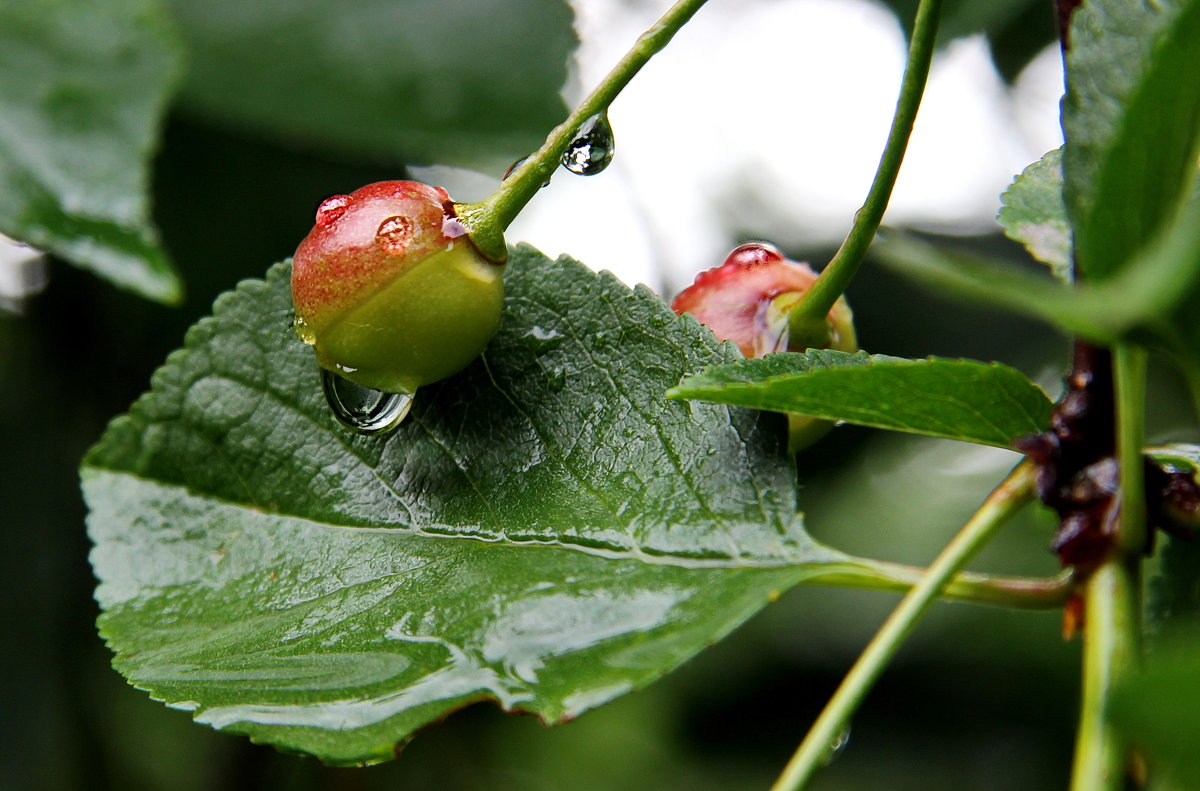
[1131, 116]
[467, 82]
[1033, 213]
[546, 530]
[83, 86]
[990, 404]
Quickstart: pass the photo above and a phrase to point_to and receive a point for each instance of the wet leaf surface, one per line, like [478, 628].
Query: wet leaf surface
[545, 530]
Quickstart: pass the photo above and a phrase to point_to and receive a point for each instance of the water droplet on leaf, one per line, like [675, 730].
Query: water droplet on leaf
[394, 235]
[592, 149]
[543, 339]
[556, 380]
[364, 409]
[331, 208]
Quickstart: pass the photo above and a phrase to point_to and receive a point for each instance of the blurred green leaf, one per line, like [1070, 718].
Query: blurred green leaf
[1156, 711]
[1016, 29]
[1131, 116]
[1153, 295]
[546, 530]
[990, 404]
[82, 91]
[1033, 213]
[1174, 592]
[467, 82]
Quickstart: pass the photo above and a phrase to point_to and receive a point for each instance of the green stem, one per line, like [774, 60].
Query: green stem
[1014, 492]
[1110, 650]
[1112, 621]
[1027, 593]
[489, 219]
[1129, 362]
[807, 325]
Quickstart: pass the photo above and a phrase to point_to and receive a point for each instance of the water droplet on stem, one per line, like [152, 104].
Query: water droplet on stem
[592, 149]
[837, 744]
[364, 409]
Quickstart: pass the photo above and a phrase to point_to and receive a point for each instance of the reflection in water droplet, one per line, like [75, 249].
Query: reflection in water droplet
[556, 380]
[592, 149]
[364, 409]
[394, 235]
[331, 208]
[837, 744]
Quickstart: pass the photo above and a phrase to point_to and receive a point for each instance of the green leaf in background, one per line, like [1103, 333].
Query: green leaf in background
[1156, 294]
[989, 404]
[1017, 29]
[1131, 116]
[1174, 592]
[467, 82]
[83, 87]
[545, 530]
[1032, 212]
[1156, 712]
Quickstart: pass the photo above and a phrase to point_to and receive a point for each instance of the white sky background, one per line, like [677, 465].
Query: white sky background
[765, 119]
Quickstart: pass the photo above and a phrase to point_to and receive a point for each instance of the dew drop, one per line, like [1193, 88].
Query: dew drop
[364, 409]
[513, 167]
[331, 208]
[592, 149]
[542, 339]
[394, 235]
[304, 331]
[837, 744]
[556, 380]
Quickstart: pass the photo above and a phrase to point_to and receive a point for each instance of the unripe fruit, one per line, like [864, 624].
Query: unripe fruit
[390, 290]
[747, 300]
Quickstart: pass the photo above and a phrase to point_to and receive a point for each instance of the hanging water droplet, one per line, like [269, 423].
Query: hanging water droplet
[394, 235]
[331, 208]
[592, 149]
[364, 409]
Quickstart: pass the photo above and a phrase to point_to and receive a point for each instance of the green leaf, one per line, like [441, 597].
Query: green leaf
[545, 530]
[1131, 116]
[83, 86]
[473, 82]
[1142, 298]
[990, 404]
[1033, 213]
[1156, 711]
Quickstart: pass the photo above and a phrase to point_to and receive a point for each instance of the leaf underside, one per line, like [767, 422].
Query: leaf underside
[82, 90]
[986, 403]
[545, 530]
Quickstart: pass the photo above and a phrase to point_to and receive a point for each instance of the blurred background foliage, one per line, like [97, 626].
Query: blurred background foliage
[981, 698]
